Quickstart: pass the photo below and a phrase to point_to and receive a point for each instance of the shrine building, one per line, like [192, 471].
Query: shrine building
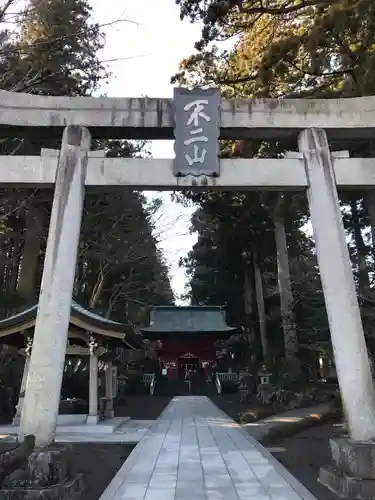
[100, 340]
[186, 337]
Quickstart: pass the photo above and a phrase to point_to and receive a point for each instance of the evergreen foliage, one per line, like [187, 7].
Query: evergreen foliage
[304, 49]
[53, 49]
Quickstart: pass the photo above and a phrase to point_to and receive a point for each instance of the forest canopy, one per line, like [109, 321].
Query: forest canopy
[278, 49]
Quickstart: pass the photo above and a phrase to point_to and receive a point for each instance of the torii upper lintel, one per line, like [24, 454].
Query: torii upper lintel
[153, 118]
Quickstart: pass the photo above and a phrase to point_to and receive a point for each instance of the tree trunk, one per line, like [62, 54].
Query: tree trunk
[97, 290]
[109, 310]
[2, 269]
[79, 277]
[8, 268]
[113, 299]
[249, 308]
[27, 284]
[261, 311]
[285, 286]
[370, 205]
[16, 260]
[363, 277]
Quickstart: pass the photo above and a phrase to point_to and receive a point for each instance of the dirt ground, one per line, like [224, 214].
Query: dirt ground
[305, 453]
[141, 407]
[230, 404]
[99, 463]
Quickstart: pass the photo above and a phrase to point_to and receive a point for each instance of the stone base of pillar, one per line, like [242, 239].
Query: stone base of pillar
[345, 486]
[109, 412]
[17, 416]
[47, 475]
[16, 420]
[69, 489]
[92, 420]
[352, 473]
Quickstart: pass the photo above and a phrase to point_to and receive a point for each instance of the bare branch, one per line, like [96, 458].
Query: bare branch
[286, 8]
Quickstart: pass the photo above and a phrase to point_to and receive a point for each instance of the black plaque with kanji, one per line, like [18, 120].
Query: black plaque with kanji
[197, 128]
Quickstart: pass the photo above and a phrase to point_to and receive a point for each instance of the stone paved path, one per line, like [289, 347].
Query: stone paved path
[195, 452]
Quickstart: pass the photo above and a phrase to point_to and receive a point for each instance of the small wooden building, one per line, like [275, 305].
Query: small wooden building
[186, 336]
[89, 335]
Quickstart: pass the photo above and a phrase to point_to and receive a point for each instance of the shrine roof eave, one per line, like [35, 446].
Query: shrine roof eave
[153, 333]
[80, 318]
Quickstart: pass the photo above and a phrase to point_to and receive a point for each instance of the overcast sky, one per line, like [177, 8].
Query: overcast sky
[146, 52]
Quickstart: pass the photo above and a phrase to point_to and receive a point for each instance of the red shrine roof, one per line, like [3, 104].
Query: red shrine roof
[187, 320]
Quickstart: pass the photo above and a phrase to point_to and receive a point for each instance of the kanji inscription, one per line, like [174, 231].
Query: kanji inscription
[197, 126]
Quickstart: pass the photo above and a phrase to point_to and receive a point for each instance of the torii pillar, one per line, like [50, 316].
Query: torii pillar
[353, 473]
[42, 395]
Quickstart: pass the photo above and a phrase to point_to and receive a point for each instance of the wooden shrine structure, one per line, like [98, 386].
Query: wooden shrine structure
[186, 336]
[90, 335]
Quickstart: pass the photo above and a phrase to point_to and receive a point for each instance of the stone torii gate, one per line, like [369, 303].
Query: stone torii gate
[314, 168]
